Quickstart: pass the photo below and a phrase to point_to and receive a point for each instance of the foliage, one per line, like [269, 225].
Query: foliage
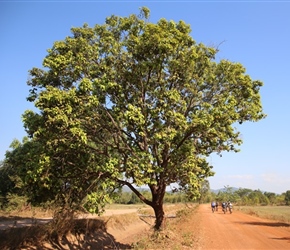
[271, 197]
[287, 197]
[257, 197]
[249, 197]
[30, 161]
[228, 194]
[204, 192]
[6, 183]
[21, 162]
[16, 202]
[132, 102]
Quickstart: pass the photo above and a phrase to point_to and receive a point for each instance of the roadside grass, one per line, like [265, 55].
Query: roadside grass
[34, 212]
[176, 234]
[120, 221]
[277, 213]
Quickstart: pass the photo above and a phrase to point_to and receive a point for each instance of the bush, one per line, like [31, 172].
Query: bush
[16, 202]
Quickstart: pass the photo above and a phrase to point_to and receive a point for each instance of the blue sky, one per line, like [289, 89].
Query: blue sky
[254, 33]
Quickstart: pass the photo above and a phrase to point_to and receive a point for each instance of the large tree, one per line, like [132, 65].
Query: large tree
[135, 103]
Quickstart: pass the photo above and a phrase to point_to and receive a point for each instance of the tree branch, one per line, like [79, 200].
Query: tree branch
[135, 191]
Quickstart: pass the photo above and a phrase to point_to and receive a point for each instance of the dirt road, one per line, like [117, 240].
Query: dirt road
[240, 231]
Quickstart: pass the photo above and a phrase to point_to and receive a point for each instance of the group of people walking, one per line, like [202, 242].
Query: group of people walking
[225, 206]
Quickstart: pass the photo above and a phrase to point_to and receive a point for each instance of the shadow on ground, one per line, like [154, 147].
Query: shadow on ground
[86, 234]
[283, 238]
[268, 224]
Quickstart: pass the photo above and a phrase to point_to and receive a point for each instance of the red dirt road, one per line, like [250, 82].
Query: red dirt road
[240, 231]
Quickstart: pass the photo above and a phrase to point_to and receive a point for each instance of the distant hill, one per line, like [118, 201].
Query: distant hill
[223, 190]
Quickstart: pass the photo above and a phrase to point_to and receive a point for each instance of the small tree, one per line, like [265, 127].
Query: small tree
[287, 197]
[204, 191]
[134, 103]
[271, 197]
[7, 185]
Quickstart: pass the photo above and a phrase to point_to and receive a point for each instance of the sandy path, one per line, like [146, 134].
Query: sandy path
[240, 231]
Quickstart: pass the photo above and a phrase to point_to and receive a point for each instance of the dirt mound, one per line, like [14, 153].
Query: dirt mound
[86, 234]
[116, 229]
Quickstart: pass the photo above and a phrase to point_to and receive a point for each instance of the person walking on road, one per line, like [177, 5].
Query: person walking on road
[224, 207]
[230, 206]
[213, 206]
[216, 206]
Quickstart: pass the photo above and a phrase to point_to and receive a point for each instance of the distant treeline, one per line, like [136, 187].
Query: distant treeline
[242, 196]
[246, 196]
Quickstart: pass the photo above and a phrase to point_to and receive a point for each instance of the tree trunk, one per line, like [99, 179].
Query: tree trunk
[159, 215]
[158, 193]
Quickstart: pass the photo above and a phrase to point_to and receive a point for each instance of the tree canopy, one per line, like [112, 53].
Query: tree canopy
[134, 103]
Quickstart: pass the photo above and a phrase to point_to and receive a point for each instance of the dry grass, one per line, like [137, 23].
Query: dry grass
[34, 212]
[120, 221]
[92, 233]
[277, 213]
[176, 234]
[85, 233]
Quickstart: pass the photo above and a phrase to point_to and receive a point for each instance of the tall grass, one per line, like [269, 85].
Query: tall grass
[277, 213]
